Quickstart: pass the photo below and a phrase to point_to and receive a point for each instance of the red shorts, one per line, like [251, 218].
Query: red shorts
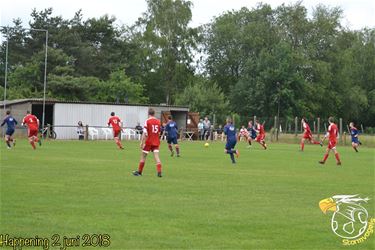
[32, 132]
[332, 144]
[260, 137]
[150, 148]
[116, 133]
[307, 136]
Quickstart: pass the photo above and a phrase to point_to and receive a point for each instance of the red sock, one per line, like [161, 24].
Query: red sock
[325, 157]
[337, 157]
[177, 149]
[315, 142]
[36, 139]
[158, 167]
[302, 146]
[170, 147]
[141, 166]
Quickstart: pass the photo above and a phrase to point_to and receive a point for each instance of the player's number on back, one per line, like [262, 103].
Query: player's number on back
[155, 129]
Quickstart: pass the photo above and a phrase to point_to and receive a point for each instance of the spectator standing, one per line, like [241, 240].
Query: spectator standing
[80, 131]
[206, 128]
[200, 129]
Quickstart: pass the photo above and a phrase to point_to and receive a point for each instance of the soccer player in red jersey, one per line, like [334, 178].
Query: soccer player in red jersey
[307, 135]
[116, 124]
[32, 124]
[150, 142]
[261, 135]
[332, 140]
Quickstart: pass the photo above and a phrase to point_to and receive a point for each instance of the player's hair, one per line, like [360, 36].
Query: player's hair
[169, 117]
[229, 120]
[304, 119]
[151, 111]
[112, 113]
[8, 112]
[331, 119]
[28, 112]
[351, 123]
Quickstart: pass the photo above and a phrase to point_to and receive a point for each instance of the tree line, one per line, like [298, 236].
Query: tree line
[258, 61]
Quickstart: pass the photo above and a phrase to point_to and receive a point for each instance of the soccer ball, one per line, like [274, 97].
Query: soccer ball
[206, 144]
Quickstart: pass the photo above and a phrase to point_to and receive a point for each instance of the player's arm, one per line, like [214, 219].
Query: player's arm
[15, 121]
[23, 122]
[2, 124]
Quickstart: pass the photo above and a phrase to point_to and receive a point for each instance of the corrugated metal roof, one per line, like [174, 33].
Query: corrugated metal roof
[53, 101]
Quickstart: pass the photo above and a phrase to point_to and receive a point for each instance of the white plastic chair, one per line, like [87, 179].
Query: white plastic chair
[129, 134]
[93, 132]
[107, 133]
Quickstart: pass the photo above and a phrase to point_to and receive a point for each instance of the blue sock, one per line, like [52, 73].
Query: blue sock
[232, 157]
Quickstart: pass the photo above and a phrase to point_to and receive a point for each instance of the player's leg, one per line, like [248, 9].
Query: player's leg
[337, 156]
[355, 146]
[169, 141]
[116, 137]
[176, 146]
[31, 135]
[142, 161]
[325, 157]
[263, 140]
[302, 143]
[7, 141]
[158, 162]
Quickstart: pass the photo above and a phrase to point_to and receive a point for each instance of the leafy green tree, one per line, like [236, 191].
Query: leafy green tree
[204, 97]
[165, 45]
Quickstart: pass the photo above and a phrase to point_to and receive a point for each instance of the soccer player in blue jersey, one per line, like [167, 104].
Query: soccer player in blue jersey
[172, 131]
[252, 132]
[11, 125]
[354, 133]
[230, 132]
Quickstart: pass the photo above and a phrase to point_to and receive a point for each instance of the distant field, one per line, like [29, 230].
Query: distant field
[268, 200]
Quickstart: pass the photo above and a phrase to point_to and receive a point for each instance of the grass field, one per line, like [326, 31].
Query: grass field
[268, 200]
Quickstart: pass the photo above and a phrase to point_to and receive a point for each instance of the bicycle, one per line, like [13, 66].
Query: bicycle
[48, 132]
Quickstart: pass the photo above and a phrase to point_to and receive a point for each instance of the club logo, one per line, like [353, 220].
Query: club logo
[350, 220]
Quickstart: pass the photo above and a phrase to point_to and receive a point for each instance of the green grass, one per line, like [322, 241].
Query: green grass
[268, 200]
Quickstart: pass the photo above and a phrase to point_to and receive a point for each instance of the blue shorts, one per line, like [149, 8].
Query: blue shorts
[230, 145]
[9, 132]
[171, 140]
[355, 140]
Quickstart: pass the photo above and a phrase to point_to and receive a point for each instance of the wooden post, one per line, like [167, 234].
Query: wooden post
[314, 127]
[318, 128]
[362, 130]
[277, 129]
[340, 129]
[255, 118]
[296, 126]
[87, 132]
[344, 137]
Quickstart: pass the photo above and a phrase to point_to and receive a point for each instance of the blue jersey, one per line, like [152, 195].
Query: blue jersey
[230, 132]
[171, 129]
[354, 133]
[252, 132]
[10, 122]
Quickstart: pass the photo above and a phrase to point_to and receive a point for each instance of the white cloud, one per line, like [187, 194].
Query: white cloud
[357, 14]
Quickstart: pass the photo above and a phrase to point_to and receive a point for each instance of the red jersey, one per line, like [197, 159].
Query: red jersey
[152, 130]
[333, 132]
[114, 121]
[31, 121]
[260, 128]
[307, 129]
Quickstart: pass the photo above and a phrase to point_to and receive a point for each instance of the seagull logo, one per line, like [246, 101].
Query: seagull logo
[350, 218]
